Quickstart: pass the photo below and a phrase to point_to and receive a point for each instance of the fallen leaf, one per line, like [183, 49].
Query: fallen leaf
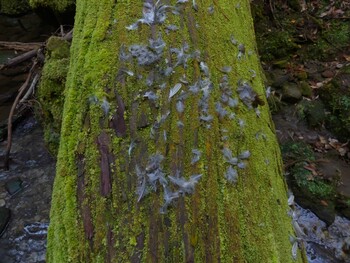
[323, 202]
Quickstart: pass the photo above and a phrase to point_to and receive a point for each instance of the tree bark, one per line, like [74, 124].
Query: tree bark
[154, 133]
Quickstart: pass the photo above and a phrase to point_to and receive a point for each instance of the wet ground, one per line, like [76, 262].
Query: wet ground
[324, 244]
[289, 127]
[26, 190]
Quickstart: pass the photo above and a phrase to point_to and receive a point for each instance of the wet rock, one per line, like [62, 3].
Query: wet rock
[5, 215]
[27, 28]
[277, 78]
[291, 92]
[327, 73]
[315, 113]
[36, 230]
[325, 210]
[301, 75]
[324, 244]
[310, 191]
[306, 89]
[343, 206]
[14, 186]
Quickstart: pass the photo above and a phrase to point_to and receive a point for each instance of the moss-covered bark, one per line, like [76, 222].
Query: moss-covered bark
[128, 139]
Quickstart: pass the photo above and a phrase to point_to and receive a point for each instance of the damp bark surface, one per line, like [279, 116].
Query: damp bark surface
[167, 152]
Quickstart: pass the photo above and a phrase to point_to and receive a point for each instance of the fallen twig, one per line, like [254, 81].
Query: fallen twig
[30, 54]
[20, 45]
[21, 58]
[31, 88]
[9, 121]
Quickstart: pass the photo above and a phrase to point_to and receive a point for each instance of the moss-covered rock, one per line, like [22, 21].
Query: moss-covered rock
[313, 111]
[306, 89]
[336, 96]
[14, 7]
[291, 92]
[312, 192]
[276, 44]
[297, 151]
[51, 90]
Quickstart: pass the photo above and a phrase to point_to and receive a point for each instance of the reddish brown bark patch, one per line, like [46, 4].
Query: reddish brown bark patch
[83, 207]
[118, 121]
[103, 142]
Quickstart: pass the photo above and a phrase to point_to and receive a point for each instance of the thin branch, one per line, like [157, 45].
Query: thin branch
[9, 121]
[31, 88]
[20, 45]
[21, 58]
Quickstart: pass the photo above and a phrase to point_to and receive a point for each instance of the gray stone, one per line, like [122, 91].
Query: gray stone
[291, 92]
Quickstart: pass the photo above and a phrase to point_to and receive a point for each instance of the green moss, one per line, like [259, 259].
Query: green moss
[337, 34]
[319, 189]
[51, 90]
[14, 7]
[336, 97]
[57, 5]
[276, 44]
[57, 47]
[219, 220]
[297, 151]
[314, 112]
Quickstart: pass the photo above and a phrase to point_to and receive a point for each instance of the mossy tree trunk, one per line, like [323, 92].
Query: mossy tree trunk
[154, 133]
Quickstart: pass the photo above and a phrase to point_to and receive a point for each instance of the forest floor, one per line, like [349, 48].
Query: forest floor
[305, 52]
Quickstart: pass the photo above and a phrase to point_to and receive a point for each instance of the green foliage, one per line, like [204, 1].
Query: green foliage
[338, 34]
[57, 5]
[276, 44]
[280, 32]
[14, 7]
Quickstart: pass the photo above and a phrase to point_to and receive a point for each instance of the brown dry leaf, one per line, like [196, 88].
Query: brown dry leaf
[323, 202]
[311, 168]
[347, 57]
